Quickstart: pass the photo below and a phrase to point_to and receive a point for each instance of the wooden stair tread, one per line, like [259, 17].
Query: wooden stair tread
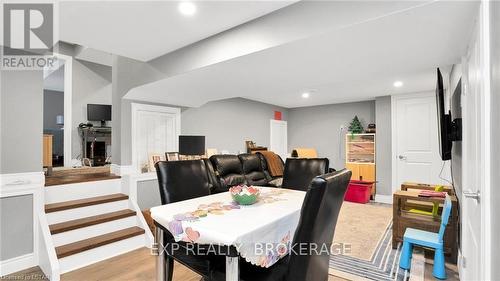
[88, 221]
[61, 206]
[78, 178]
[97, 241]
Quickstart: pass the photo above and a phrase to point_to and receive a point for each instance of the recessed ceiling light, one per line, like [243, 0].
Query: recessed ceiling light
[187, 8]
[305, 95]
[398, 84]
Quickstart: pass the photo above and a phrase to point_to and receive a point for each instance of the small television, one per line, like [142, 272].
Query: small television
[99, 112]
[448, 130]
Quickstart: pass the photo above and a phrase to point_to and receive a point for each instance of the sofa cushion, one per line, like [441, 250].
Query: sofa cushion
[252, 169]
[228, 169]
[250, 162]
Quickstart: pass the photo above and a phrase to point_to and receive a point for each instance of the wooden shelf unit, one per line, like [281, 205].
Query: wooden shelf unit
[360, 155]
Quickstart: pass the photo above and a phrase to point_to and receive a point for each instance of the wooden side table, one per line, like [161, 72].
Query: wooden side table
[47, 153]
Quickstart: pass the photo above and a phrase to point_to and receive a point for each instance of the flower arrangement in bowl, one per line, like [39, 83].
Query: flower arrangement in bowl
[244, 195]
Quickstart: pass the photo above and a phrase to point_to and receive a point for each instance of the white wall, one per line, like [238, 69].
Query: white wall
[227, 124]
[319, 127]
[383, 121]
[21, 123]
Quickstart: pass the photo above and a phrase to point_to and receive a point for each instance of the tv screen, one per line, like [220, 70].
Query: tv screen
[444, 120]
[191, 145]
[98, 112]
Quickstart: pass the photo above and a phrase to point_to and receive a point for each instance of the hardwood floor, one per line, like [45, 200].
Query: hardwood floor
[135, 265]
[75, 175]
[138, 265]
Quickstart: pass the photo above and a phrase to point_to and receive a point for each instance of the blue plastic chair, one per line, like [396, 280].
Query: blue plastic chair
[427, 239]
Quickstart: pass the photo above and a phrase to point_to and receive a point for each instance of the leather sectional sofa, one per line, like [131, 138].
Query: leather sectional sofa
[229, 170]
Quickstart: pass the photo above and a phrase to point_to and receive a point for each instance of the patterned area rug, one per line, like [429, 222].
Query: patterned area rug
[383, 265]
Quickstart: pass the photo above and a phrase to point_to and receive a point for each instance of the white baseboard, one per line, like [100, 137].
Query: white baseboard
[386, 199]
[17, 264]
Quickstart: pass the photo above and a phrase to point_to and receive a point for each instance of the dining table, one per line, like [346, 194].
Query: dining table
[260, 233]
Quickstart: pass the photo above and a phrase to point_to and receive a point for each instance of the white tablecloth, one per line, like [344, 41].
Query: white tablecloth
[261, 232]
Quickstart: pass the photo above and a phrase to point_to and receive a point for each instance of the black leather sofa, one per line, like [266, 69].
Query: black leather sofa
[230, 170]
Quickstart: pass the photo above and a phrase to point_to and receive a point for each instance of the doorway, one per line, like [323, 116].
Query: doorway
[53, 118]
[415, 141]
[279, 138]
[57, 121]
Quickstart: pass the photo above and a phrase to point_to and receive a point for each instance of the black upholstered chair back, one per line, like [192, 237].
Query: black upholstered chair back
[318, 218]
[182, 180]
[252, 169]
[228, 169]
[299, 172]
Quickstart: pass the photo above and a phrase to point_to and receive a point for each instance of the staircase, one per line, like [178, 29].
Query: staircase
[88, 222]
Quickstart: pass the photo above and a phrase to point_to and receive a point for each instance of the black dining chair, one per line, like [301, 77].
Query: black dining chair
[182, 180]
[318, 218]
[178, 181]
[299, 172]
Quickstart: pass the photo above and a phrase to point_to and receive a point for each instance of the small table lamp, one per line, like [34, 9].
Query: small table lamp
[60, 120]
[192, 145]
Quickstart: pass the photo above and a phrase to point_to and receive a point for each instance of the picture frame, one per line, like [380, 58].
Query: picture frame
[172, 156]
[250, 144]
[153, 159]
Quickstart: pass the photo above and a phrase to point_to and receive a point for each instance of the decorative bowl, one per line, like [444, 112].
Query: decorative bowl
[244, 195]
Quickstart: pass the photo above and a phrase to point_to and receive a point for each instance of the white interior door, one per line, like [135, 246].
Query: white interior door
[155, 129]
[279, 138]
[416, 137]
[472, 162]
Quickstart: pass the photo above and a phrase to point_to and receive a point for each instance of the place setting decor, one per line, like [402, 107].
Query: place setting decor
[244, 195]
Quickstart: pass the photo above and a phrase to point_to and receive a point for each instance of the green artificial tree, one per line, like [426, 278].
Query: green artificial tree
[355, 127]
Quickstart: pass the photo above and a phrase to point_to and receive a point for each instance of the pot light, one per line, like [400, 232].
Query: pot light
[187, 8]
[398, 84]
[305, 95]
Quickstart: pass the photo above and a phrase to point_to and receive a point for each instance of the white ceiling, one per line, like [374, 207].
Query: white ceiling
[144, 30]
[356, 62]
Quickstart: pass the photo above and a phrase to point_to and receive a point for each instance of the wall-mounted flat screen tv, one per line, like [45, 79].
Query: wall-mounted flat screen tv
[448, 131]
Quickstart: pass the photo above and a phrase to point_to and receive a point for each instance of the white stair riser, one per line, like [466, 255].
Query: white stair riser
[101, 253]
[92, 231]
[67, 192]
[78, 213]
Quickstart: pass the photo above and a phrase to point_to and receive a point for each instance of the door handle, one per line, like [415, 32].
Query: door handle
[402, 157]
[473, 195]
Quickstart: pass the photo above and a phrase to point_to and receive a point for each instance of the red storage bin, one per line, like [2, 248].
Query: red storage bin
[359, 191]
